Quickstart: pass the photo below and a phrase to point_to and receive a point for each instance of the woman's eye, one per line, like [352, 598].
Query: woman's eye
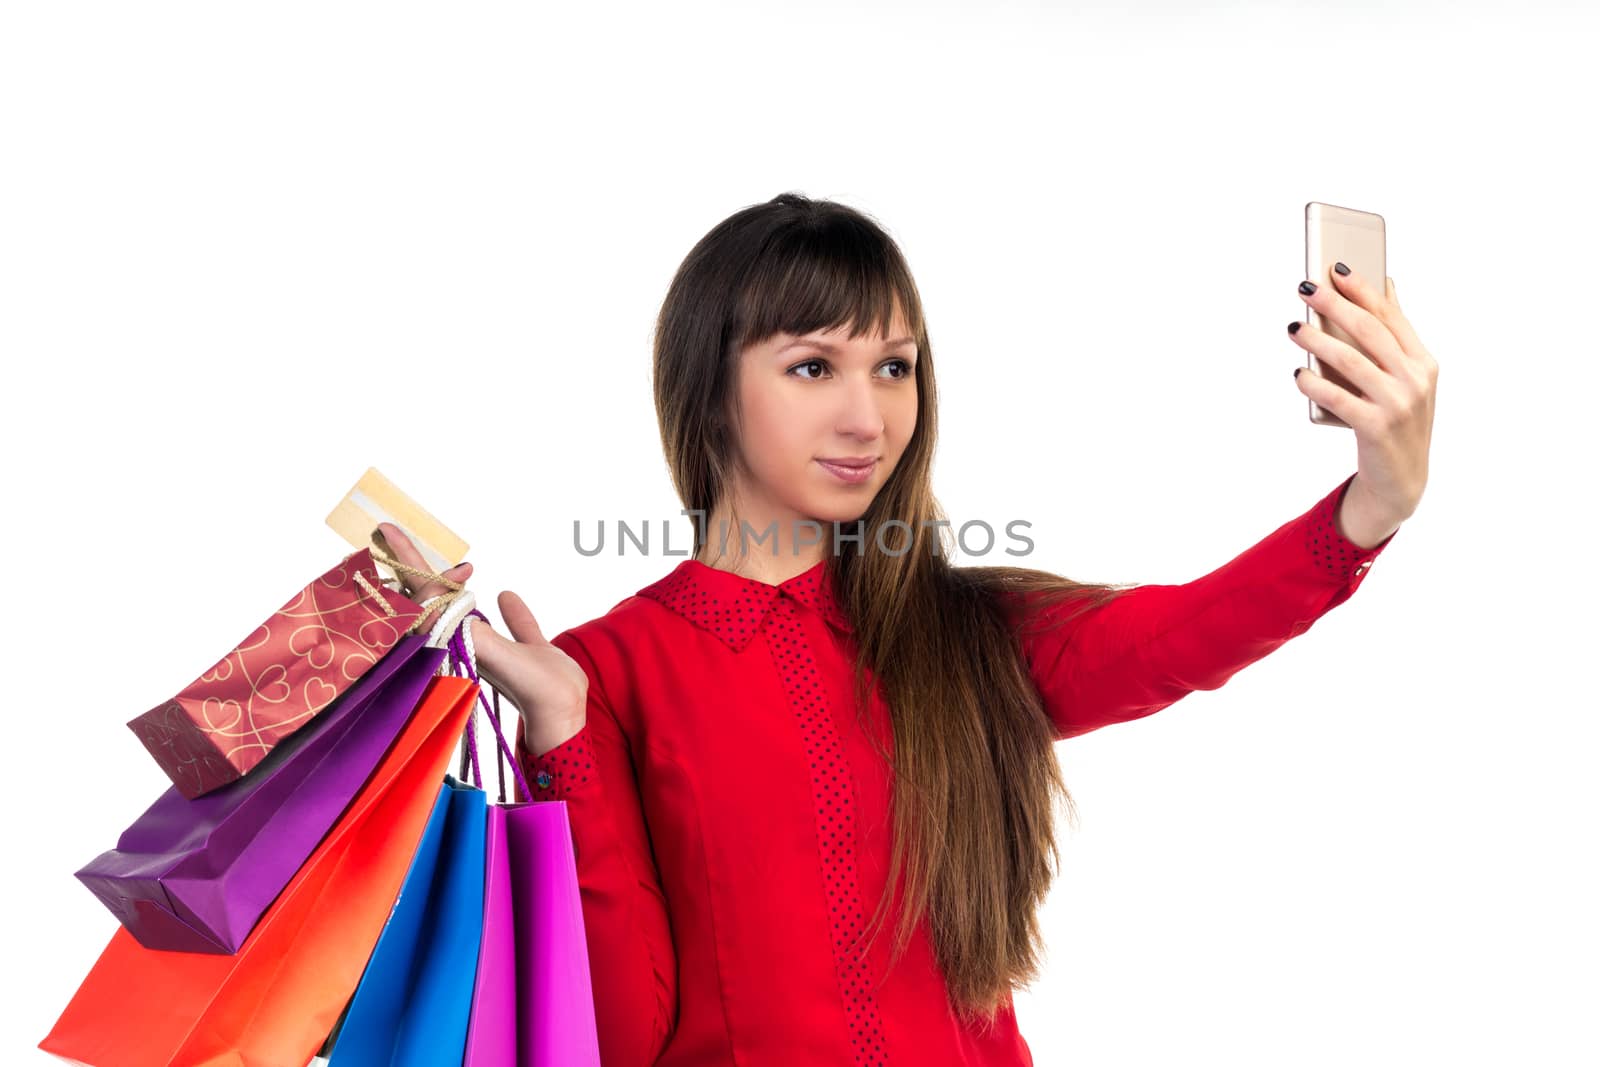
[905, 366]
[807, 363]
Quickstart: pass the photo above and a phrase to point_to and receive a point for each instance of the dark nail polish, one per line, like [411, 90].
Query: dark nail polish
[1308, 287]
[1341, 268]
[1297, 371]
[1294, 327]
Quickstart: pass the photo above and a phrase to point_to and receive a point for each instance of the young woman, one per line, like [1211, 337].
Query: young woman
[784, 745]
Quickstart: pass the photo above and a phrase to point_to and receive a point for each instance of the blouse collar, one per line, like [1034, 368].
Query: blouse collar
[733, 607]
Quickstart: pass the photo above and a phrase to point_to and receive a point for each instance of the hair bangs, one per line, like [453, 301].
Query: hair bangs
[824, 274]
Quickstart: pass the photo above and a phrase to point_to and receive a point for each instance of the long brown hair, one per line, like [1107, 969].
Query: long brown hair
[976, 775]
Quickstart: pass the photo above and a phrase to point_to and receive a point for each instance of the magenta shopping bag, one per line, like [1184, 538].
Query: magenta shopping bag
[492, 1027]
[533, 1003]
[555, 1001]
[196, 875]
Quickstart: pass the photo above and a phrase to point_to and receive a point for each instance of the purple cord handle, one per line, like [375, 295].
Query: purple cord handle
[459, 658]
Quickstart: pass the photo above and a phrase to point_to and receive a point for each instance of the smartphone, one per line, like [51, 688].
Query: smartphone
[1356, 239]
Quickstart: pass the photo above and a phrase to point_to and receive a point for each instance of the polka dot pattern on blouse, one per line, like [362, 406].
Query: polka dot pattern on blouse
[733, 607]
[831, 793]
[1338, 556]
[559, 771]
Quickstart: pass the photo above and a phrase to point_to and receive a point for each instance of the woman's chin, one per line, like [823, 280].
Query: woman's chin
[825, 511]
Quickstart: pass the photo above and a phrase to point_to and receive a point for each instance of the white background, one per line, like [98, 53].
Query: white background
[247, 252]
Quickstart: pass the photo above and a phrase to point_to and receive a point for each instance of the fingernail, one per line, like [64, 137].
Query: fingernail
[1341, 268]
[1308, 287]
[1297, 371]
[1294, 327]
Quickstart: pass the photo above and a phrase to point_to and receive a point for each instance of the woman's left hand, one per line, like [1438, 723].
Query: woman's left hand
[1393, 419]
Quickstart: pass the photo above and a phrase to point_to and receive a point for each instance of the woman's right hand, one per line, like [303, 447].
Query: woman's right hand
[548, 687]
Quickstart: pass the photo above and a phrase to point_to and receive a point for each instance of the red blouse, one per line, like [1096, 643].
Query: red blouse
[730, 817]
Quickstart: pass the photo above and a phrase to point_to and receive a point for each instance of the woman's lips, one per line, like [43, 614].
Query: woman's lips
[849, 475]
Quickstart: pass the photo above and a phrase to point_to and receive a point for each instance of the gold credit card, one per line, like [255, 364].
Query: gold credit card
[376, 499]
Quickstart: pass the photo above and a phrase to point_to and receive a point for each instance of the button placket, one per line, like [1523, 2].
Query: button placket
[833, 796]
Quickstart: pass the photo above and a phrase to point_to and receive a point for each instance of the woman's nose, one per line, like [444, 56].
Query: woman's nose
[862, 416]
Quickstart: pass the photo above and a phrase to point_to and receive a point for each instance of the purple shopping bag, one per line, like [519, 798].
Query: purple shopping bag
[196, 875]
[533, 1003]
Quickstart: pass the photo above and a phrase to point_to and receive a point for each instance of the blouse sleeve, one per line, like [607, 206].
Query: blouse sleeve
[1144, 649]
[632, 960]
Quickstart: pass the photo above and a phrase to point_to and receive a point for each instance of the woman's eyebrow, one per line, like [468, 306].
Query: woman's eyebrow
[828, 346]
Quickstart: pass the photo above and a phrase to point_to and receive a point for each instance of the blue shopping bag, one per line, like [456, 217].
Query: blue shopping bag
[415, 998]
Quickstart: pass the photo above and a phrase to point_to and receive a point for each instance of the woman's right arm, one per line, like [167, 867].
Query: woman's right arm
[632, 961]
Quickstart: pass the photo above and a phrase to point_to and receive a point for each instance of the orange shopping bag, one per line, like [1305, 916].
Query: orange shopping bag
[273, 1002]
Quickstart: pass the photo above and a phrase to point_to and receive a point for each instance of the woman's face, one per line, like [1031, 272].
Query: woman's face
[808, 400]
